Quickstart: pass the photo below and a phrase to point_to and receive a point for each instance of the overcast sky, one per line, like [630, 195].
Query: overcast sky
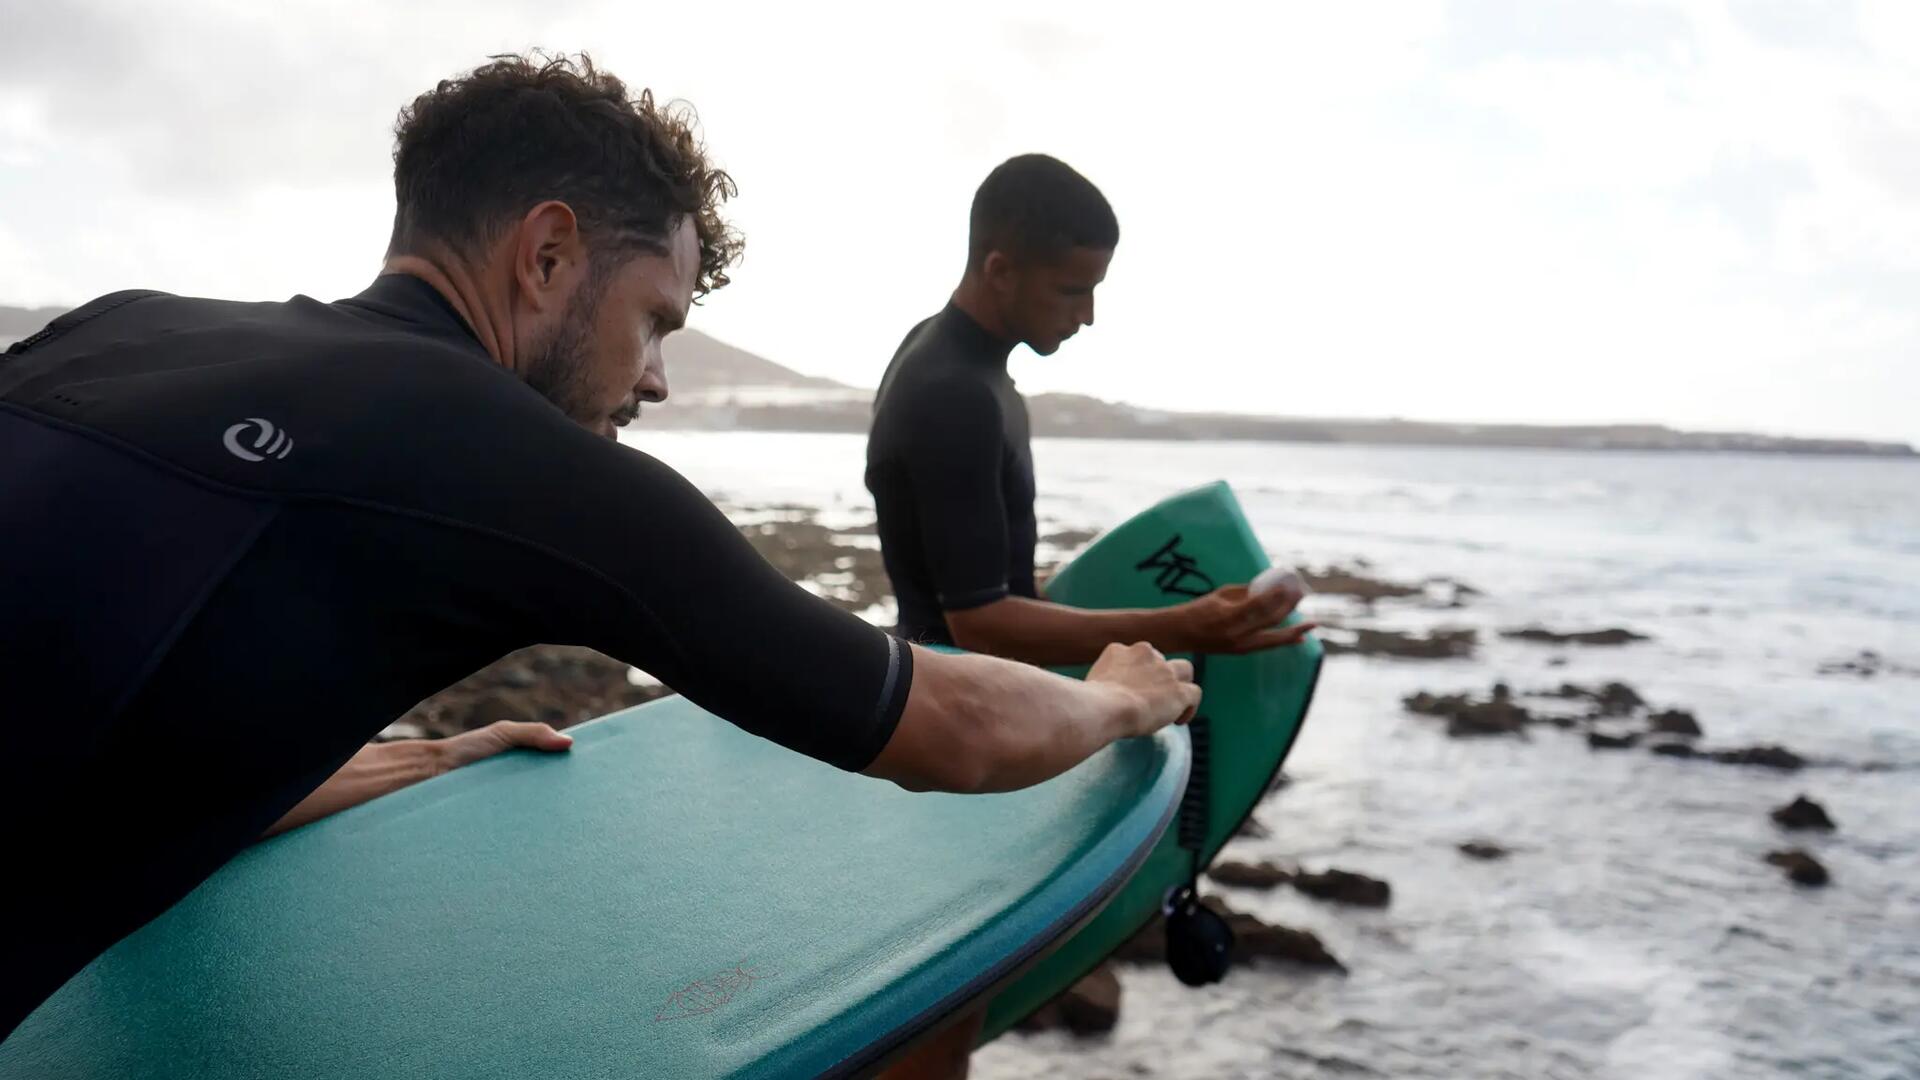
[1701, 214]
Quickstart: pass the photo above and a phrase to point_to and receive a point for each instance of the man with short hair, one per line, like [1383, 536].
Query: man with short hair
[950, 461]
[240, 538]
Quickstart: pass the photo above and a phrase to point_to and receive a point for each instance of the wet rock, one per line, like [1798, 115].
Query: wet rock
[1865, 664]
[1772, 757]
[1766, 756]
[1261, 875]
[1600, 740]
[1674, 722]
[1344, 887]
[1499, 715]
[1069, 539]
[1339, 581]
[555, 684]
[1542, 635]
[850, 576]
[1434, 645]
[1802, 813]
[1801, 868]
[1253, 940]
[1618, 699]
[1483, 850]
[1610, 699]
[1257, 940]
[1429, 704]
[1089, 1007]
[1487, 718]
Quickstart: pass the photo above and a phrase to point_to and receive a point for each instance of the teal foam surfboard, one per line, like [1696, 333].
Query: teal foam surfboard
[1254, 707]
[672, 897]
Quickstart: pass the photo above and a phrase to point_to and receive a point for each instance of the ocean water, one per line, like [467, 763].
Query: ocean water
[1635, 931]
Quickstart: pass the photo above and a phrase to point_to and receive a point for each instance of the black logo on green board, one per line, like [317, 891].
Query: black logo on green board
[1178, 573]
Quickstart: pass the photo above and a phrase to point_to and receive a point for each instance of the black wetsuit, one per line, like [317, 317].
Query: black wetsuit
[237, 540]
[950, 466]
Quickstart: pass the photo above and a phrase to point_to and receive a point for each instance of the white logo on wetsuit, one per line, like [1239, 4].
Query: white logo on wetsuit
[267, 443]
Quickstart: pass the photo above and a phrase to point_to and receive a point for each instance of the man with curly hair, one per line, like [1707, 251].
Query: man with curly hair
[241, 538]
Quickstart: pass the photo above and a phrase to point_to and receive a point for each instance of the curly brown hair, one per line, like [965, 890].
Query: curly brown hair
[475, 153]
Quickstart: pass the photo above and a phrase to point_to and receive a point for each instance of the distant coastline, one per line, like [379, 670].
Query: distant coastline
[719, 387]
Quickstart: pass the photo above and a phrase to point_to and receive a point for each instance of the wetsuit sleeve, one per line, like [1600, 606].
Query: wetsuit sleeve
[953, 456]
[694, 605]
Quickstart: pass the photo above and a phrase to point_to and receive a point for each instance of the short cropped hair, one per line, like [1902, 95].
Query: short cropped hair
[1034, 208]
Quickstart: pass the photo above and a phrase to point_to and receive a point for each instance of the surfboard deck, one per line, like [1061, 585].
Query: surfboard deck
[672, 897]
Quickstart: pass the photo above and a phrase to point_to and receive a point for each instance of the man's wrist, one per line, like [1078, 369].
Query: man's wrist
[1172, 628]
[421, 759]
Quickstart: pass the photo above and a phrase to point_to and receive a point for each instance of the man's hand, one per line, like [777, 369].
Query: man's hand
[382, 768]
[1162, 691]
[471, 746]
[1232, 620]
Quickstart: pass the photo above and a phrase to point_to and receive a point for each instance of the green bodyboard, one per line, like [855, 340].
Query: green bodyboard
[1254, 705]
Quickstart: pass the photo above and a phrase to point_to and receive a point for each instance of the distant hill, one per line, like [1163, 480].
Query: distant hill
[18, 322]
[698, 363]
[717, 386]
[695, 361]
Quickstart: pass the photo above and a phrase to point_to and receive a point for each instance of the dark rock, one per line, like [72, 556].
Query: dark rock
[1466, 717]
[1427, 704]
[1341, 886]
[1253, 940]
[1338, 581]
[1674, 722]
[1772, 757]
[1487, 718]
[1802, 813]
[556, 684]
[1483, 850]
[1609, 636]
[851, 577]
[1618, 699]
[1069, 539]
[1675, 749]
[1434, 645]
[1801, 867]
[1263, 875]
[1612, 699]
[1865, 664]
[1600, 740]
[1089, 1007]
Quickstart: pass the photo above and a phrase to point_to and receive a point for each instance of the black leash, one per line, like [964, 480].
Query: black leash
[1199, 941]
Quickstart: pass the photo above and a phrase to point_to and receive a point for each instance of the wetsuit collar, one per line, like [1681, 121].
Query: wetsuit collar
[412, 300]
[976, 338]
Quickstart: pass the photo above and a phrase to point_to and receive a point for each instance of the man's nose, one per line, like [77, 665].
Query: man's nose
[652, 387]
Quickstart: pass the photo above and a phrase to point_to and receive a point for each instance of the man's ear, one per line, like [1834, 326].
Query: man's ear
[549, 255]
[998, 271]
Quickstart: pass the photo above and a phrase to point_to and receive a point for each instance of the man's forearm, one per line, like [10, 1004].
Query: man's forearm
[977, 724]
[1039, 632]
[378, 769]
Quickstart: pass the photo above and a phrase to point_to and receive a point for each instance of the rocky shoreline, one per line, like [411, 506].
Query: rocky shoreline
[840, 562]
